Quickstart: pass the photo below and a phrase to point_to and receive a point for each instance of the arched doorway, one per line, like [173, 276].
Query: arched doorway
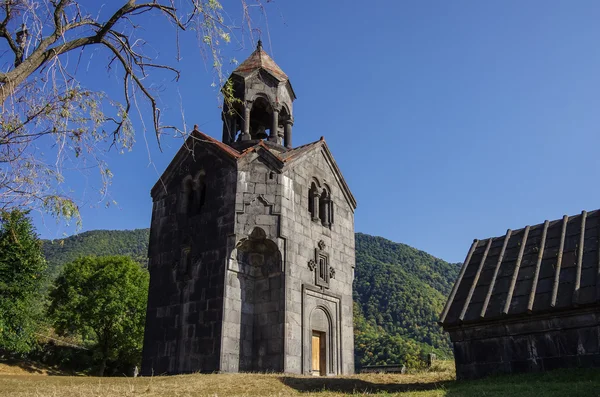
[321, 342]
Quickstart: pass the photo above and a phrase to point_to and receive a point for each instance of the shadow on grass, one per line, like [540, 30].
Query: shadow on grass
[31, 367]
[350, 385]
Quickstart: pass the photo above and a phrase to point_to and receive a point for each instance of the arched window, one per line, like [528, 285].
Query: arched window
[313, 202]
[199, 195]
[186, 195]
[193, 194]
[326, 208]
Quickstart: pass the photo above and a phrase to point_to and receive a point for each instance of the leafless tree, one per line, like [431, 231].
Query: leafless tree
[48, 118]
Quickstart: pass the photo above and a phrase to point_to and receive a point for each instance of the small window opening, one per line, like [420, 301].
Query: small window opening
[199, 196]
[326, 208]
[323, 270]
[313, 202]
[193, 195]
[185, 267]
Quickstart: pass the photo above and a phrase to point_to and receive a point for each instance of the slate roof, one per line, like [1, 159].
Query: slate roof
[546, 268]
[297, 152]
[196, 134]
[259, 59]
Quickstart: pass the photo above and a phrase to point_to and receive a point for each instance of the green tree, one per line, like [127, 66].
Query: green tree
[375, 346]
[102, 300]
[22, 268]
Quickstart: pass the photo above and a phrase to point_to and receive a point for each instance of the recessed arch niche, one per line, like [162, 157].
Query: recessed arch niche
[259, 264]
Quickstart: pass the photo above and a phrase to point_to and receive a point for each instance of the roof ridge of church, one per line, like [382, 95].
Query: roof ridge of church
[225, 147]
[295, 152]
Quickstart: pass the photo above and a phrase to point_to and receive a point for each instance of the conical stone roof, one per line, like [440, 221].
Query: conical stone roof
[259, 59]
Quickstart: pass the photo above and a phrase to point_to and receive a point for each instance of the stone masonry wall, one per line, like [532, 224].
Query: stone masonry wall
[302, 237]
[242, 297]
[186, 264]
[254, 294]
[529, 345]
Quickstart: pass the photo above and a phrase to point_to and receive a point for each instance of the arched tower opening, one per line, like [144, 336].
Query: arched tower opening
[261, 118]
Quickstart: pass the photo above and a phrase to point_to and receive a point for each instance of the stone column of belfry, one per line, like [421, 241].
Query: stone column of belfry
[273, 134]
[246, 133]
[287, 133]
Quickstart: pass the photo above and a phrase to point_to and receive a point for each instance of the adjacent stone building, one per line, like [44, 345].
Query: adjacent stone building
[529, 300]
[251, 253]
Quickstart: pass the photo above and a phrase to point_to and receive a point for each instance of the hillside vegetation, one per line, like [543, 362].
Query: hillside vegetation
[132, 243]
[398, 291]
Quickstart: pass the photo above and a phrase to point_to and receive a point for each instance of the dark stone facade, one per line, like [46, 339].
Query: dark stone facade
[529, 300]
[251, 245]
[185, 299]
[530, 345]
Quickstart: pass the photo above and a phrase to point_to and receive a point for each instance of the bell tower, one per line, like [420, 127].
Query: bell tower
[251, 254]
[260, 106]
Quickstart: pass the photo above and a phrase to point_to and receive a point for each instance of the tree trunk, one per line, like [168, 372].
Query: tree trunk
[102, 367]
[104, 354]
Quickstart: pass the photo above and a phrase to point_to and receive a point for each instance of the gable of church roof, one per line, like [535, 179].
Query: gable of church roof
[301, 152]
[196, 138]
[277, 160]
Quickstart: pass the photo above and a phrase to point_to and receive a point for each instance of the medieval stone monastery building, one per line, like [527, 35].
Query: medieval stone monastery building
[251, 252]
[529, 300]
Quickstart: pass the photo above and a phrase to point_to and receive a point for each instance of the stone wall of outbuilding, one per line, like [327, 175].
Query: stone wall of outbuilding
[528, 345]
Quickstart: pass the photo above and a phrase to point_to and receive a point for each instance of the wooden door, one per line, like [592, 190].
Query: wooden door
[318, 353]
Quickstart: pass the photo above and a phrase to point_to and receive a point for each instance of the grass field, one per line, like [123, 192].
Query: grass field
[423, 384]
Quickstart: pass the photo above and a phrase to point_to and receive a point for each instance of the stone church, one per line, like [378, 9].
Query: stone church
[251, 253]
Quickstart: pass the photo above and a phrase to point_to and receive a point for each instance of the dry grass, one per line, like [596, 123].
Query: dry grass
[437, 382]
[24, 367]
[220, 385]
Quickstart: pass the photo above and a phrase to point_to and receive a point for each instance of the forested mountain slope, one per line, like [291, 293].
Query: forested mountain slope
[132, 243]
[399, 291]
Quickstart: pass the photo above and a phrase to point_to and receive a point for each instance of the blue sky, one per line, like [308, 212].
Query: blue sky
[450, 120]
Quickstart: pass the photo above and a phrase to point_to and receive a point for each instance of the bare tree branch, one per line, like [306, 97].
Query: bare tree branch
[48, 119]
[8, 9]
